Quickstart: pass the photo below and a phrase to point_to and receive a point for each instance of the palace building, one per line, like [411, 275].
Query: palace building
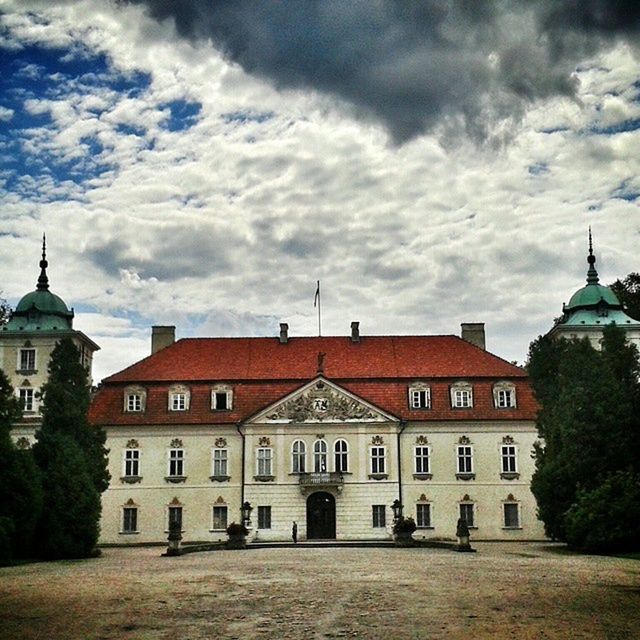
[324, 431]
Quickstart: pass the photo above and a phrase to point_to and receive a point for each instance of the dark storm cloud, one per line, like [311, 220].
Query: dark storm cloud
[412, 63]
[178, 253]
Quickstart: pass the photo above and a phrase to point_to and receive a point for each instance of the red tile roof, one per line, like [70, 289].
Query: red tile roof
[262, 371]
[200, 359]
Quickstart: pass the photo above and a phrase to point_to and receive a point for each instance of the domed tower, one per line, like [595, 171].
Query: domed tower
[591, 308]
[40, 319]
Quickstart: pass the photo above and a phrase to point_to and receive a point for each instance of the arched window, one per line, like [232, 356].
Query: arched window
[298, 457]
[341, 456]
[319, 456]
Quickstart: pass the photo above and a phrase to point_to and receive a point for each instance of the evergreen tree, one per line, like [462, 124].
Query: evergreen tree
[68, 527]
[20, 488]
[65, 404]
[628, 292]
[588, 420]
[72, 458]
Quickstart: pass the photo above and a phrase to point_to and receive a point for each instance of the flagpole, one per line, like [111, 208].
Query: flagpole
[316, 303]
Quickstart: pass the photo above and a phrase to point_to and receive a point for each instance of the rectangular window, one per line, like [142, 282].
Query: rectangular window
[423, 516]
[419, 398]
[509, 459]
[134, 402]
[221, 400]
[178, 401]
[176, 462]
[422, 460]
[174, 515]
[219, 518]
[265, 457]
[461, 398]
[378, 460]
[511, 515]
[379, 516]
[466, 513]
[130, 519]
[27, 359]
[465, 459]
[264, 517]
[506, 398]
[27, 397]
[220, 462]
[132, 462]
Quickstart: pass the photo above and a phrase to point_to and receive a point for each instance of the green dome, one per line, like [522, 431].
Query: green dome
[44, 302]
[591, 296]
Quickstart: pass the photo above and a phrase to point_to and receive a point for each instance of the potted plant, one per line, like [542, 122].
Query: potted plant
[237, 536]
[403, 528]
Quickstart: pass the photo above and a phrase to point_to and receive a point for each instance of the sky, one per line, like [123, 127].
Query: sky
[203, 163]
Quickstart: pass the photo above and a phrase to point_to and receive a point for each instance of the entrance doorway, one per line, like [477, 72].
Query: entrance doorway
[321, 516]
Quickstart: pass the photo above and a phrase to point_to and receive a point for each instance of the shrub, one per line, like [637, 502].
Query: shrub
[404, 525]
[606, 519]
[235, 529]
[6, 534]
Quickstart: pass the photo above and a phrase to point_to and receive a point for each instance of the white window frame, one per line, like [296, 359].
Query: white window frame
[221, 523]
[378, 516]
[25, 350]
[504, 515]
[341, 456]
[126, 522]
[462, 395]
[27, 396]
[220, 462]
[419, 455]
[320, 452]
[180, 509]
[464, 454]
[176, 458]
[264, 461]
[264, 512]
[508, 458]
[378, 459]
[131, 463]
[178, 401]
[421, 507]
[468, 506]
[503, 391]
[228, 393]
[134, 402]
[298, 456]
[420, 397]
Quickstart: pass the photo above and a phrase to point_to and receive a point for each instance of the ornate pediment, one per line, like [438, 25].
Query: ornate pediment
[322, 401]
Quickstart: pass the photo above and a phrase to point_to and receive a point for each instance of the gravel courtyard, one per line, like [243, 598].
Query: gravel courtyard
[504, 591]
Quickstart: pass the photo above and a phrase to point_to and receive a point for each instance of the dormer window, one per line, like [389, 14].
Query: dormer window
[461, 395]
[135, 399]
[179, 397]
[221, 398]
[419, 396]
[504, 395]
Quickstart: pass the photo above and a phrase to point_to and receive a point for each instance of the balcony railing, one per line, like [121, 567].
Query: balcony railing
[321, 479]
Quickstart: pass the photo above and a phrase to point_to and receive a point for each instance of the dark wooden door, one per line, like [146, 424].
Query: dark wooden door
[321, 516]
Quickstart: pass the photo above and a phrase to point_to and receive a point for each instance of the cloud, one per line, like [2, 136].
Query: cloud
[414, 66]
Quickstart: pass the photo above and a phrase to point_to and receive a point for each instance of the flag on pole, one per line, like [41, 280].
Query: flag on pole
[317, 296]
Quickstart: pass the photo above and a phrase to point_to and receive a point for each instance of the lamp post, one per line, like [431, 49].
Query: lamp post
[397, 507]
[246, 513]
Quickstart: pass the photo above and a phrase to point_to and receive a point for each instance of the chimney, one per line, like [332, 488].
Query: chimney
[355, 332]
[284, 333]
[161, 337]
[473, 332]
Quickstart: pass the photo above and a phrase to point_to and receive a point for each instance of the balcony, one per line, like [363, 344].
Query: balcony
[321, 480]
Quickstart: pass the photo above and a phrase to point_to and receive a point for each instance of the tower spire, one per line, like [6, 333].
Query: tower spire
[43, 280]
[592, 274]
